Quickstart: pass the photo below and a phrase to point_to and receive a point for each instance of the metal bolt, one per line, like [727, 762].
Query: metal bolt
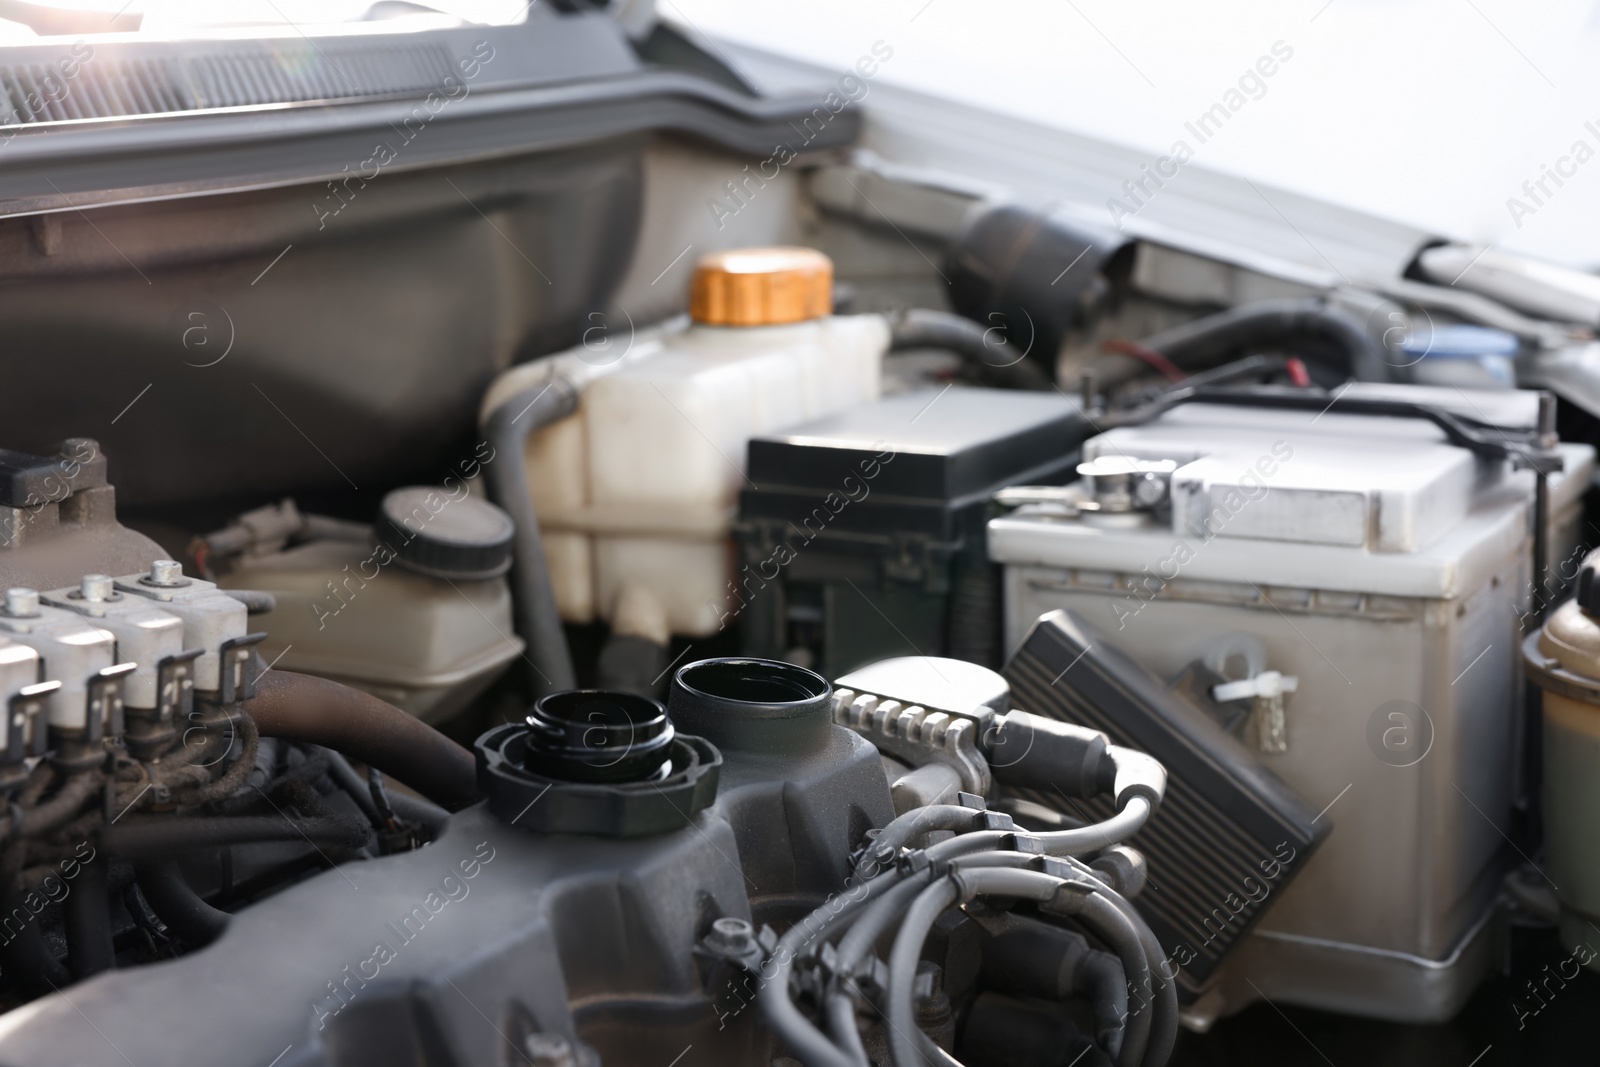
[1547, 422]
[22, 601]
[166, 572]
[1149, 489]
[97, 587]
[549, 1050]
[731, 936]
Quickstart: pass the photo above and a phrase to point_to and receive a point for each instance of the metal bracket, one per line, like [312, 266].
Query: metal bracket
[238, 667]
[175, 687]
[106, 718]
[1540, 462]
[916, 734]
[25, 722]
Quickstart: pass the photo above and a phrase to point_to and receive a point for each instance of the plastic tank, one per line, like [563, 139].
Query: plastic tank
[418, 614]
[637, 491]
[1563, 658]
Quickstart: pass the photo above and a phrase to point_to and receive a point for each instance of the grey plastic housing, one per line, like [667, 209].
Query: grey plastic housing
[492, 933]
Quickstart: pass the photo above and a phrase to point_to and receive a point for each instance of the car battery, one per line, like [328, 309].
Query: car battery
[1345, 590]
[861, 535]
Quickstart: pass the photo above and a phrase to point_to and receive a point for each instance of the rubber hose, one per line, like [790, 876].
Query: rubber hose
[1056, 842]
[864, 933]
[840, 1011]
[39, 780]
[346, 778]
[299, 707]
[794, 1030]
[1112, 989]
[854, 946]
[1121, 935]
[26, 962]
[178, 906]
[86, 914]
[924, 911]
[266, 763]
[931, 1053]
[538, 622]
[1100, 977]
[255, 601]
[1164, 1022]
[1114, 920]
[1207, 340]
[234, 778]
[912, 827]
[1042, 960]
[42, 818]
[969, 843]
[142, 836]
[994, 358]
[1122, 825]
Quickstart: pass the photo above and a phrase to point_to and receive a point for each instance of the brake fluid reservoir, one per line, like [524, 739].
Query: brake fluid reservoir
[637, 490]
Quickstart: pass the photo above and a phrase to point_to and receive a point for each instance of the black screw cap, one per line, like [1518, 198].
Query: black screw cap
[433, 534]
[1588, 595]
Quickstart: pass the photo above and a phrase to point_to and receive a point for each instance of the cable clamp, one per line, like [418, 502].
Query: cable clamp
[1027, 844]
[913, 862]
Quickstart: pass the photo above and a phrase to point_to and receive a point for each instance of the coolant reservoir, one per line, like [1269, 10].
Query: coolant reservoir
[637, 491]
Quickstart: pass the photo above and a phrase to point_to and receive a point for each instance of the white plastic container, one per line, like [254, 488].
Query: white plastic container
[636, 491]
[423, 644]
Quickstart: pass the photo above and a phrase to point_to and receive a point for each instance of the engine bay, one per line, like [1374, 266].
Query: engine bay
[542, 543]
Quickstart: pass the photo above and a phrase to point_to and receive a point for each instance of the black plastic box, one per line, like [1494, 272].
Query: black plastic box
[863, 536]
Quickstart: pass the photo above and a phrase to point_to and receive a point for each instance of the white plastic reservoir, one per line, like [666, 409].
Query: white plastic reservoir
[636, 491]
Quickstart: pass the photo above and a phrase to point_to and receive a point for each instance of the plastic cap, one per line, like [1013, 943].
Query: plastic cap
[761, 287]
[1588, 594]
[433, 534]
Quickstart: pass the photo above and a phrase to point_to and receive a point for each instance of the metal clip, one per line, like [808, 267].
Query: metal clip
[238, 667]
[1266, 690]
[25, 723]
[175, 687]
[105, 702]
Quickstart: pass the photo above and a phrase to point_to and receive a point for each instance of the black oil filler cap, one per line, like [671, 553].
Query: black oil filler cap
[442, 536]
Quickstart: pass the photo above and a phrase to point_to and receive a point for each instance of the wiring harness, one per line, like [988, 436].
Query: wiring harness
[822, 978]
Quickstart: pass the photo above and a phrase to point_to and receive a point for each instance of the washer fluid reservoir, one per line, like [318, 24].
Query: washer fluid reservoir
[636, 492]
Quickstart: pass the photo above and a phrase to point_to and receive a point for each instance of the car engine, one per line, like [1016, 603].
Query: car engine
[539, 542]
